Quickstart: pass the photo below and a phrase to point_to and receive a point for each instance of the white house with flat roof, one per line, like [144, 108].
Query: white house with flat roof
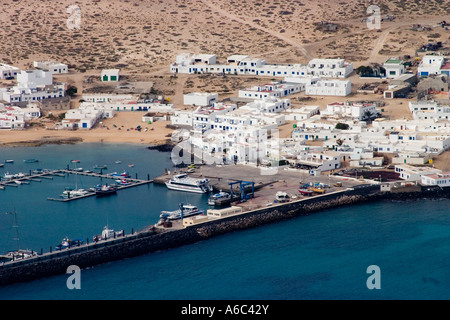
[413, 173]
[329, 88]
[52, 66]
[333, 68]
[439, 179]
[33, 85]
[200, 98]
[245, 65]
[274, 89]
[110, 75]
[8, 72]
[394, 68]
[429, 110]
[430, 64]
[354, 110]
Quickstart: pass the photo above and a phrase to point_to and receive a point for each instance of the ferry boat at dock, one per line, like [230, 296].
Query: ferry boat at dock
[182, 182]
[221, 196]
[185, 210]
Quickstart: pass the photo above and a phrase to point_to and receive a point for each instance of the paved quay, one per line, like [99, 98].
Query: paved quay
[267, 183]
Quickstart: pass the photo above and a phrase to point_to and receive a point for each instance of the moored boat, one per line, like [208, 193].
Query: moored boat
[185, 210]
[108, 233]
[104, 190]
[30, 160]
[73, 193]
[67, 243]
[218, 197]
[182, 182]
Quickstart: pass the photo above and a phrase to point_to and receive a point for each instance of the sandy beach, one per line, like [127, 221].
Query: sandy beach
[101, 133]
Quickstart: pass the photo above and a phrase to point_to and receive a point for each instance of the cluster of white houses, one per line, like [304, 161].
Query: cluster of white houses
[33, 85]
[95, 107]
[246, 65]
[12, 117]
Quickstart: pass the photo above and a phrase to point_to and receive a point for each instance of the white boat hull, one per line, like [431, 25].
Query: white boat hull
[186, 188]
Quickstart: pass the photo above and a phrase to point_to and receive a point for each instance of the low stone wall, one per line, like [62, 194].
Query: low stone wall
[158, 239]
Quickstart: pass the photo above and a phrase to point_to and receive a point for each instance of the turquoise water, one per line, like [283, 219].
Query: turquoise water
[321, 256]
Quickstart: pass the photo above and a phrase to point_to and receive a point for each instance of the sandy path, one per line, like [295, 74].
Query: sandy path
[256, 26]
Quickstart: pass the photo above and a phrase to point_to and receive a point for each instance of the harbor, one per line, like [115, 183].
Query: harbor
[123, 182]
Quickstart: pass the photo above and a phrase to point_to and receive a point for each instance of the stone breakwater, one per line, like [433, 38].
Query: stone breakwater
[156, 239]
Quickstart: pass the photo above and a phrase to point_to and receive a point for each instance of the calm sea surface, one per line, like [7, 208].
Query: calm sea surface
[321, 256]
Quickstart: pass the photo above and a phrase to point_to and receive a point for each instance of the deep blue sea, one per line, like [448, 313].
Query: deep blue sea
[321, 256]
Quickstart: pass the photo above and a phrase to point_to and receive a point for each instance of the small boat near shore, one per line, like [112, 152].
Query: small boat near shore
[317, 190]
[9, 161]
[185, 210]
[108, 233]
[66, 243]
[305, 192]
[31, 160]
[216, 198]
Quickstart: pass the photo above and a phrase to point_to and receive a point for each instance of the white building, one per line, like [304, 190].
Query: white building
[274, 89]
[354, 110]
[12, 117]
[319, 161]
[8, 72]
[429, 110]
[394, 68]
[110, 75]
[86, 116]
[412, 173]
[52, 66]
[333, 68]
[430, 65]
[245, 65]
[329, 88]
[127, 102]
[34, 85]
[268, 105]
[200, 98]
[302, 113]
[439, 179]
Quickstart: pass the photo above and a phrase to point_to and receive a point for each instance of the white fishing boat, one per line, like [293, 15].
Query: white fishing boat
[108, 233]
[74, 193]
[215, 198]
[185, 210]
[182, 182]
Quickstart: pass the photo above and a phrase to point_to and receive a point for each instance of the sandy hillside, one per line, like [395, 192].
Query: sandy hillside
[142, 35]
